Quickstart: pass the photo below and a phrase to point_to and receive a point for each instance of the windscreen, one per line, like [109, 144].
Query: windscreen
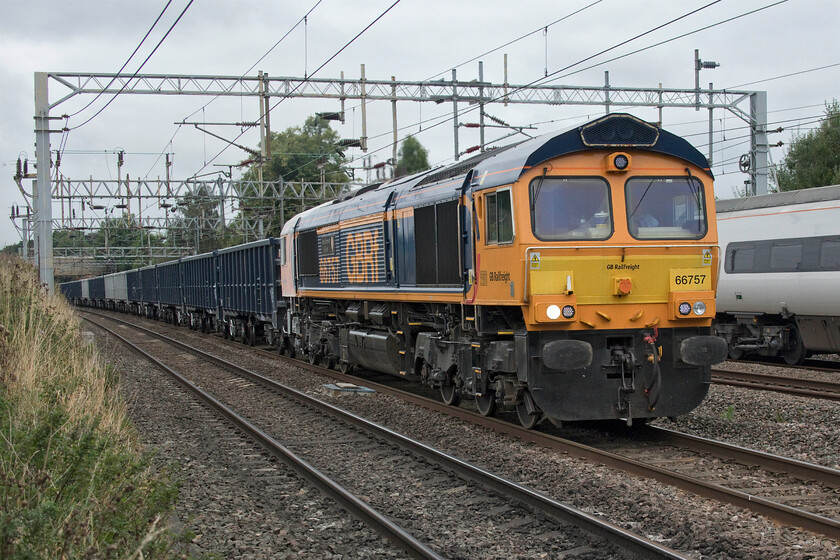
[666, 208]
[570, 208]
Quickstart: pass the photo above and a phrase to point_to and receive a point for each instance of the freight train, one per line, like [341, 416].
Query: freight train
[778, 286]
[570, 276]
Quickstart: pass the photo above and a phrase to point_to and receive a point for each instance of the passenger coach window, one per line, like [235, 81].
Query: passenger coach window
[740, 259]
[499, 217]
[565, 209]
[666, 208]
[830, 255]
[786, 257]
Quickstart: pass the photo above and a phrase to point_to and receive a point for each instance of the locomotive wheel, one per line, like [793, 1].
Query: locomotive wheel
[527, 419]
[795, 353]
[449, 393]
[735, 353]
[486, 403]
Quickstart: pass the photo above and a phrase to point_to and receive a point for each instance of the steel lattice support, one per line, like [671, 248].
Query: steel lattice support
[477, 92]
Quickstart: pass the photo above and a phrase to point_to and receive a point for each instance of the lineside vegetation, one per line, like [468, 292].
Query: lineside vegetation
[73, 482]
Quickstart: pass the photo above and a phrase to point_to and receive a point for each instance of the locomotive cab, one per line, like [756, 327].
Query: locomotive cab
[612, 256]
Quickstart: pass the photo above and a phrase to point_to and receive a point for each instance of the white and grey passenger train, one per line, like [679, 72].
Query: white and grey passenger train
[779, 284]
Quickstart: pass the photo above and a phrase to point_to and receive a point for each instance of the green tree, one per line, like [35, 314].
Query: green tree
[307, 153]
[412, 157]
[813, 159]
[199, 212]
[12, 249]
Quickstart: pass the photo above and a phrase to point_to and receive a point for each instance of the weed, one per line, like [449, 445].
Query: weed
[73, 482]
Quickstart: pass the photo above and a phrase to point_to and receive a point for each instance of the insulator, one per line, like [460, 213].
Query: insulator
[472, 125]
[18, 168]
[472, 149]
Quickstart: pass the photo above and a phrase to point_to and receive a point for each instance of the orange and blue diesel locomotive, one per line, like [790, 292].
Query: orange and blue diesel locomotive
[570, 276]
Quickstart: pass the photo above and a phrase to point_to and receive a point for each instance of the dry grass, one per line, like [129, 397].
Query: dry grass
[73, 482]
[40, 350]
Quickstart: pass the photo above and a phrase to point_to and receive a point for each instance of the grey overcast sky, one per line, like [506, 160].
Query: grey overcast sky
[416, 40]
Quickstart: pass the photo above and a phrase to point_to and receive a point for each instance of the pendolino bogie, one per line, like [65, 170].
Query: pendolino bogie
[571, 276]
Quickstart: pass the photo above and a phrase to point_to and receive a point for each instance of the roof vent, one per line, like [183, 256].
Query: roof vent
[619, 131]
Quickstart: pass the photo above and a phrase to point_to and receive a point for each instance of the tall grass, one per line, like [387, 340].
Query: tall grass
[73, 483]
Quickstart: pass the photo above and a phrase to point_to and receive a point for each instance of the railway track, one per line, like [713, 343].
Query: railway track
[791, 385]
[810, 364]
[344, 443]
[792, 492]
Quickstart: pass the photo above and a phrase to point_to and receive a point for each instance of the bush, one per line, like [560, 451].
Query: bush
[73, 482]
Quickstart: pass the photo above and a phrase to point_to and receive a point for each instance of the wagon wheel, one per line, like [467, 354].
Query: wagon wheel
[287, 348]
[735, 353]
[795, 353]
[526, 418]
[314, 358]
[449, 393]
[345, 367]
[252, 335]
[486, 403]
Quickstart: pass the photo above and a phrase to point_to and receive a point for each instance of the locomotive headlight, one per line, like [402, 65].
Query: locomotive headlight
[553, 312]
[617, 162]
[568, 311]
[685, 308]
[621, 162]
[699, 308]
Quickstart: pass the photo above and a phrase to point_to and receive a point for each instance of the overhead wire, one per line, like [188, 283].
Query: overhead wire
[512, 41]
[546, 78]
[136, 72]
[590, 57]
[786, 75]
[245, 73]
[137, 48]
[330, 59]
[681, 36]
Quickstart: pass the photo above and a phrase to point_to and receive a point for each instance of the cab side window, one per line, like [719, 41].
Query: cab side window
[499, 217]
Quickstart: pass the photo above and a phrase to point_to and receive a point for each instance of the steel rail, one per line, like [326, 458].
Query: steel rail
[626, 540]
[780, 512]
[368, 515]
[810, 364]
[769, 461]
[779, 383]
